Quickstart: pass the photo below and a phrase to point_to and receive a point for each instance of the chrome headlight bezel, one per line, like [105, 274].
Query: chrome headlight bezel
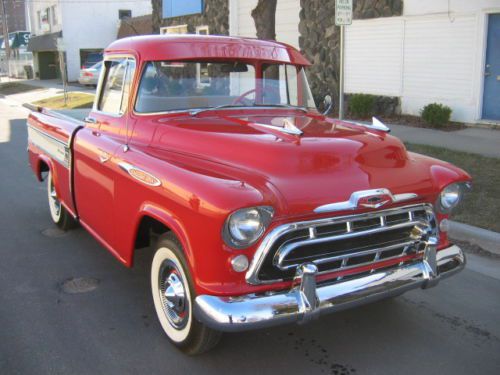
[237, 231]
[450, 197]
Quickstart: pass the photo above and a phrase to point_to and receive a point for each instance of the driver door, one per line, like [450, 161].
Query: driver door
[95, 166]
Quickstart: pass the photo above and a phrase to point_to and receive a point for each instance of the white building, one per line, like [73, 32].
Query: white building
[85, 27]
[445, 51]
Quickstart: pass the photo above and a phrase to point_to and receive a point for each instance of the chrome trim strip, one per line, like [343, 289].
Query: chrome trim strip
[353, 201]
[307, 300]
[55, 148]
[268, 241]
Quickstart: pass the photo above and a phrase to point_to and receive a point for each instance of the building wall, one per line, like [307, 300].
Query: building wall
[92, 26]
[310, 26]
[89, 25]
[287, 20]
[432, 53]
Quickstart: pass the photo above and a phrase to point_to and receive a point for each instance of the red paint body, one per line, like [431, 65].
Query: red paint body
[217, 162]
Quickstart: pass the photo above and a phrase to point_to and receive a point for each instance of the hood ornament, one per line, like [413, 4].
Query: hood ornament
[291, 128]
[375, 125]
[374, 198]
[288, 127]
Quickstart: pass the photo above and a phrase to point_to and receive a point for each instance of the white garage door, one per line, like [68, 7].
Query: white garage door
[287, 20]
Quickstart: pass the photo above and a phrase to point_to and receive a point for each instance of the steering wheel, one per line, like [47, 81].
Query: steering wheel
[240, 98]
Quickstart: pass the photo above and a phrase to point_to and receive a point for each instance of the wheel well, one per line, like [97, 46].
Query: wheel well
[149, 230]
[42, 167]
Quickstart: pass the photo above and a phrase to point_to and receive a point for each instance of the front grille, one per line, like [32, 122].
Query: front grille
[343, 243]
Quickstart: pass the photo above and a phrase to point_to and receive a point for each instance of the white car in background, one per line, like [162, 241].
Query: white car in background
[90, 76]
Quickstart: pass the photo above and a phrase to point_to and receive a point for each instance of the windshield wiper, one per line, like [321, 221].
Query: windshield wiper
[303, 109]
[198, 111]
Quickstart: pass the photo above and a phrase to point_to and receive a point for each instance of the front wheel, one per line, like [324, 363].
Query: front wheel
[60, 216]
[173, 297]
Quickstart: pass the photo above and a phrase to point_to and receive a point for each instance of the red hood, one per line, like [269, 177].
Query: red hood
[329, 161]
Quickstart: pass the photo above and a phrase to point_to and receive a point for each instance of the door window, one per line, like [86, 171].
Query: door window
[112, 91]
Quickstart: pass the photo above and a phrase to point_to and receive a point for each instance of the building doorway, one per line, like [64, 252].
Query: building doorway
[48, 65]
[491, 91]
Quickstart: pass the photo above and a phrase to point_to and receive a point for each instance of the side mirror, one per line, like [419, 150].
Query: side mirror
[327, 104]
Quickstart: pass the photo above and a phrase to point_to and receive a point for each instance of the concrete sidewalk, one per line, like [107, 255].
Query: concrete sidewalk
[475, 140]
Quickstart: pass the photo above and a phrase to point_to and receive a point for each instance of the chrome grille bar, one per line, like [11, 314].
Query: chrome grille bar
[346, 257]
[286, 250]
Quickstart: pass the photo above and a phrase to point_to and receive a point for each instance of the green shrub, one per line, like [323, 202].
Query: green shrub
[436, 114]
[361, 105]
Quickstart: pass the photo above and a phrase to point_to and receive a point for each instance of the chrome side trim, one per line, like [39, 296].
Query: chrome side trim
[268, 241]
[307, 301]
[55, 148]
[353, 202]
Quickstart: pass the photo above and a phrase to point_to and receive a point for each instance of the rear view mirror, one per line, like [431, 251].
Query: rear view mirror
[237, 67]
[327, 104]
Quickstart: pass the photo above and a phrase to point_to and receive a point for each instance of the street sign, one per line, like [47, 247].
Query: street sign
[343, 12]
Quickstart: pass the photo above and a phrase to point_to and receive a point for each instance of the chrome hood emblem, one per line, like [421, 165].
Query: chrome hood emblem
[374, 198]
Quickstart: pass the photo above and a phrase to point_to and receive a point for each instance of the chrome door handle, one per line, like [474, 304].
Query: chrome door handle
[104, 156]
[90, 120]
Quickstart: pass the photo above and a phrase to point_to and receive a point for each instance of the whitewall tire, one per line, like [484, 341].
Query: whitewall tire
[60, 216]
[173, 297]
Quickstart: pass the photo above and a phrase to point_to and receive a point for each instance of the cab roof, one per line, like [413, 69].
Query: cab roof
[214, 47]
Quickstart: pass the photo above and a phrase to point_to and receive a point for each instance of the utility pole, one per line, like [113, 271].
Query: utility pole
[6, 37]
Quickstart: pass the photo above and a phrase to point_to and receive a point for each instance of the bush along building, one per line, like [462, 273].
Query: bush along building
[405, 53]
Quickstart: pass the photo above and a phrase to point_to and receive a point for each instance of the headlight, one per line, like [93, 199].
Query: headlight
[450, 197]
[244, 227]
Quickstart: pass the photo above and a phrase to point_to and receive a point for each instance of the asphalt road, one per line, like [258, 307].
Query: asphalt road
[451, 329]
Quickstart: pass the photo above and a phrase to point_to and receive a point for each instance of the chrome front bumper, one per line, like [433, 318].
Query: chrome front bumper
[307, 301]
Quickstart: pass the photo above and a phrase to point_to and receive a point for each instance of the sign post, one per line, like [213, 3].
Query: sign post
[343, 16]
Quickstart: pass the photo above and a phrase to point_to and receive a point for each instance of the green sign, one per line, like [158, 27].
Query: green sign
[16, 40]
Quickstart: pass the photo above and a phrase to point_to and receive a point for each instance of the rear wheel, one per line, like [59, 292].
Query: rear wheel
[173, 296]
[60, 216]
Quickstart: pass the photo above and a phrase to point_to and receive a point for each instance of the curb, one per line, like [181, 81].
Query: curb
[486, 239]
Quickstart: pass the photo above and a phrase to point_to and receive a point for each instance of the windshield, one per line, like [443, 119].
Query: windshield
[168, 86]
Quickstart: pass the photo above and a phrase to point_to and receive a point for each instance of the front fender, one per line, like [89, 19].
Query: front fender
[168, 219]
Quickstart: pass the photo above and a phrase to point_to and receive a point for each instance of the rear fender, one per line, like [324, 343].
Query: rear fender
[38, 166]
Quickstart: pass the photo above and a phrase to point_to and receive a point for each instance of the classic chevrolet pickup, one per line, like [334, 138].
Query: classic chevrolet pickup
[260, 209]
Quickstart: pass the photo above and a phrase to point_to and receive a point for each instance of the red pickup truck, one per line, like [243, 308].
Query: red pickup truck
[260, 209]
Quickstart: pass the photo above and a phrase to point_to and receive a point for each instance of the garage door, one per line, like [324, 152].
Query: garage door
[287, 20]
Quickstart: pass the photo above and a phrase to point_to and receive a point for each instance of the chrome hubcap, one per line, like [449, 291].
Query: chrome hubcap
[173, 295]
